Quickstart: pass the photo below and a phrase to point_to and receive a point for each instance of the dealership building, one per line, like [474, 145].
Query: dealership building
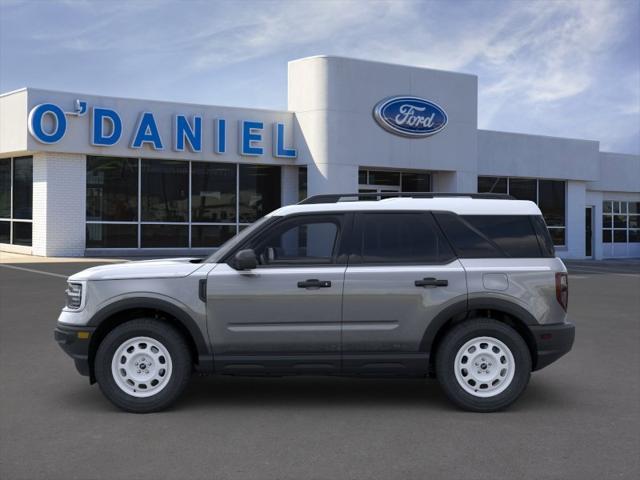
[89, 175]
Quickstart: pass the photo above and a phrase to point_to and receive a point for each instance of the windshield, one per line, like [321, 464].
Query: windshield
[232, 242]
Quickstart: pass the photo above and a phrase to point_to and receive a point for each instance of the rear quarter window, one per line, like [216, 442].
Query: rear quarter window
[492, 236]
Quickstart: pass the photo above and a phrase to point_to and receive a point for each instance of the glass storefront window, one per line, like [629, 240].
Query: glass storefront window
[380, 177]
[302, 183]
[182, 204]
[164, 191]
[416, 182]
[213, 192]
[551, 200]
[260, 191]
[5, 231]
[549, 195]
[164, 236]
[211, 235]
[112, 189]
[22, 233]
[112, 235]
[492, 185]
[5, 188]
[16, 200]
[523, 188]
[22, 187]
[620, 221]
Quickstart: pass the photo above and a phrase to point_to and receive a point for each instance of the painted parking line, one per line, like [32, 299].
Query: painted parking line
[31, 270]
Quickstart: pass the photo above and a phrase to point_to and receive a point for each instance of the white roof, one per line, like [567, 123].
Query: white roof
[459, 205]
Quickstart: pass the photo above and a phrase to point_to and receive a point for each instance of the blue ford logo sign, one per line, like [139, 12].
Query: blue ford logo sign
[410, 116]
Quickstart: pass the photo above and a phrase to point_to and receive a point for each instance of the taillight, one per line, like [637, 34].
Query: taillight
[562, 290]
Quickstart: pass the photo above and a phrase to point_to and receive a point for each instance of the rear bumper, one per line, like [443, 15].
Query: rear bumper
[552, 342]
[75, 343]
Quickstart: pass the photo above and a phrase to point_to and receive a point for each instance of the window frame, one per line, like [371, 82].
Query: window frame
[339, 257]
[237, 225]
[11, 220]
[618, 208]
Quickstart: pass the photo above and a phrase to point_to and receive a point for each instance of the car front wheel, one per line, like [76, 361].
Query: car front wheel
[143, 365]
[483, 365]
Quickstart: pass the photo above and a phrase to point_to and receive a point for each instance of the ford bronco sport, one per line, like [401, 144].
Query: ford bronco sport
[465, 288]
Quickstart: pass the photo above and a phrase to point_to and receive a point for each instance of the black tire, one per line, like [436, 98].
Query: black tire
[171, 340]
[456, 338]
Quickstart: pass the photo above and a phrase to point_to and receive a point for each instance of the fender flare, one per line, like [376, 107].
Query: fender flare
[463, 307]
[205, 358]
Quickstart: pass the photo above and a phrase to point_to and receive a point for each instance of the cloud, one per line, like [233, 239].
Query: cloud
[536, 60]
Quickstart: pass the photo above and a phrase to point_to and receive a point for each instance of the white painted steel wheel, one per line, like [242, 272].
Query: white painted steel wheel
[141, 367]
[484, 367]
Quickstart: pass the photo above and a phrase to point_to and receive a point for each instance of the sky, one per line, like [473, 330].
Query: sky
[554, 67]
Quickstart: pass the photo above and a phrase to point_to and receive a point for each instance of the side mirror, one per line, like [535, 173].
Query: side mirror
[245, 260]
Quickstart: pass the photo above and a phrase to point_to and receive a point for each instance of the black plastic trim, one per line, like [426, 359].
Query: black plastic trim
[76, 348]
[552, 342]
[205, 357]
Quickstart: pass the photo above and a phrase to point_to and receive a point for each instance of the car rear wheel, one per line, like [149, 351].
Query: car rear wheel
[483, 365]
[143, 365]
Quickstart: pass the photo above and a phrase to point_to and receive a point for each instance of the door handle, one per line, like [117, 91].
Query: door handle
[314, 283]
[431, 282]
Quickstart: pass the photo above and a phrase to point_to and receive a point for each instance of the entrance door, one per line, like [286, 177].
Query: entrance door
[588, 231]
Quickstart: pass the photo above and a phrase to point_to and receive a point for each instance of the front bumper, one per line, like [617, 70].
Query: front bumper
[75, 342]
[552, 342]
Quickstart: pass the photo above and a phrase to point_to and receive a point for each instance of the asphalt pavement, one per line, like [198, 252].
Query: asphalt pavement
[578, 419]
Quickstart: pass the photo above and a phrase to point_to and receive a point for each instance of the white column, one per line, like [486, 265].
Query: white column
[59, 204]
[332, 178]
[454, 182]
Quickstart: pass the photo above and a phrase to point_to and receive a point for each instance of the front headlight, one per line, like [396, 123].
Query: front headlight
[74, 295]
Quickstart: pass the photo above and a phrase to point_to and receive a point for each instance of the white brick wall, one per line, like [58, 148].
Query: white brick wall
[59, 197]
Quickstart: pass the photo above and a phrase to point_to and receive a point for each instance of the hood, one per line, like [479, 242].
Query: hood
[163, 268]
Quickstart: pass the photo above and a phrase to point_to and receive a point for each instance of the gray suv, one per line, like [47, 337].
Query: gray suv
[464, 288]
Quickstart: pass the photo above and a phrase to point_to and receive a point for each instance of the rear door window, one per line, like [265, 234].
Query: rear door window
[400, 238]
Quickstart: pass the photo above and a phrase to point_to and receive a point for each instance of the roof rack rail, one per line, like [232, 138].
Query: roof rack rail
[355, 197]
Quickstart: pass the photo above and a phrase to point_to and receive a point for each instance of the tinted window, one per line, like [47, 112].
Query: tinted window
[299, 241]
[112, 235]
[302, 183]
[545, 236]
[22, 233]
[468, 242]
[416, 182]
[213, 192]
[5, 228]
[5, 188]
[23, 193]
[513, 234]
[401, 238]
[112, 189]
[259, 191]
[165, 189]
[491, 236]
[165, 236]
[523, 188]
[551, 202]
[492, 185]
[211, 235]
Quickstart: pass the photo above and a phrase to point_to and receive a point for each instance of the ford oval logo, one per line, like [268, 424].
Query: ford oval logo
[410, 116]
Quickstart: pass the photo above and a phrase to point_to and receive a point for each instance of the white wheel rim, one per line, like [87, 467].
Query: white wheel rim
[484, 367]
[141, 367]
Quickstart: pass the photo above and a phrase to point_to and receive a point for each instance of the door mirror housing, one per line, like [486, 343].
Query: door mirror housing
[245, 260]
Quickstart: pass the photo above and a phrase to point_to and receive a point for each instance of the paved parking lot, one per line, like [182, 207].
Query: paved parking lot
[580, 418]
